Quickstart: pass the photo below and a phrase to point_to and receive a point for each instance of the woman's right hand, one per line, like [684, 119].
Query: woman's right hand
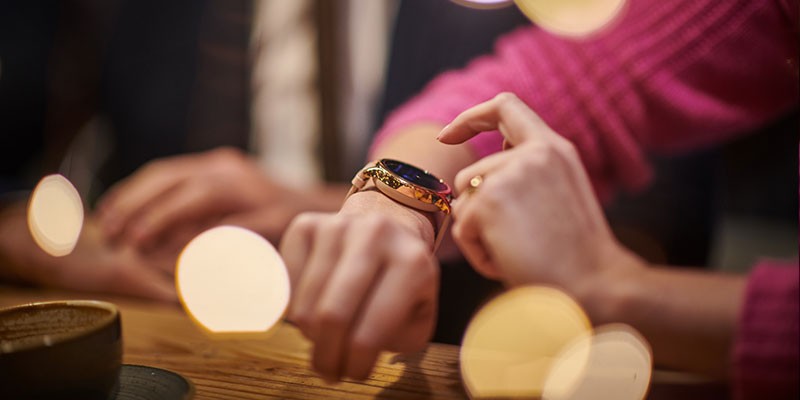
[534, 219]
[364, 280]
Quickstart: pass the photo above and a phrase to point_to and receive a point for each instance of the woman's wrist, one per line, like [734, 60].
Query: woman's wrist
[372, 201]
[615, 289]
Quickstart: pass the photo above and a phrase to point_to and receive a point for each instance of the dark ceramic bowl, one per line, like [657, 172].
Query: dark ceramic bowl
[60, 350]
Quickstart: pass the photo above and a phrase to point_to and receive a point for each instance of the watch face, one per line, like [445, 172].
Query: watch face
[415, 175]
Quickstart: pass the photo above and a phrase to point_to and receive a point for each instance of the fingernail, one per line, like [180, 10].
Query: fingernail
[441, 133]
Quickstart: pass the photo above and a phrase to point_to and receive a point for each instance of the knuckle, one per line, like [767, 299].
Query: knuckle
[301, 318]
[462, 177]
[376, 225]
[459, 234]
[420, 255]
[331, 318]
[506, 97]
[303, 222]
[153, 166]
[419, 262]
[226, 153]
[540, 157]
[457, 231]
[365, 342]
[493, 199]
[382, 219]
[200, 189]
[331, 226]
[415, 253]
[226, 158]
[567, 148]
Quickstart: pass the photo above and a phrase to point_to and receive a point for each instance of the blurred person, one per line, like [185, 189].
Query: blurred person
[532, 218]
[366, 279]
[160, 207]
[152, 75]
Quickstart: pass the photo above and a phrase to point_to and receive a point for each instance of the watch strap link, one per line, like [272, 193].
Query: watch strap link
[373, 171]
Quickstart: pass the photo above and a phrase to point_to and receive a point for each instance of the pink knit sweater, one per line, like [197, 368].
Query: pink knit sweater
[668, 77]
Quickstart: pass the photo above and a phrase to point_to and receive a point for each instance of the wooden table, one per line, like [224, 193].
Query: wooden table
[162, 336]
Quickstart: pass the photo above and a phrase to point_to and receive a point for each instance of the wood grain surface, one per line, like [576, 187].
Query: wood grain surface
[162, 336]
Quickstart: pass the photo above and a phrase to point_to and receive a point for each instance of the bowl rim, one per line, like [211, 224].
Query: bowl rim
[84, 331]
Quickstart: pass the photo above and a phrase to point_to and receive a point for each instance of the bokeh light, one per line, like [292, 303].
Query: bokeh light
[232, 281]
[512, 342]
[483, 4]
[55, 215]
[572, 17]
[619, 367]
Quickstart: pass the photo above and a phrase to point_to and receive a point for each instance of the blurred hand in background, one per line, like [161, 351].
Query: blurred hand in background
[167, 202]
[93, 266]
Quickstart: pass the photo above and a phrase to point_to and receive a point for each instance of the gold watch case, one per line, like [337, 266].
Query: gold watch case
[408, 185]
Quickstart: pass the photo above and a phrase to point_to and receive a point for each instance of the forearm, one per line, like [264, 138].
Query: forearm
[616, 106]
[689, 317]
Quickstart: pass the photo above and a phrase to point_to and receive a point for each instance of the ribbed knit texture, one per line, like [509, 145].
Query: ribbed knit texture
[765, 357]
[668, 76]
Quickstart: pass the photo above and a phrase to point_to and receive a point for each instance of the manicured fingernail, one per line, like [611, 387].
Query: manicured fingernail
[439, 136]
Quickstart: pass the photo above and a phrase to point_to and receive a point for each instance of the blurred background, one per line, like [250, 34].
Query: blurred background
[97, 88]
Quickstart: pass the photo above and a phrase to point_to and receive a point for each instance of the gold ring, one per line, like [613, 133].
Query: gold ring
[474, 183]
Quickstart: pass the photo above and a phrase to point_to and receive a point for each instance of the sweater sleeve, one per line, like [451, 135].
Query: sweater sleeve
[668, 76]
[765, 358]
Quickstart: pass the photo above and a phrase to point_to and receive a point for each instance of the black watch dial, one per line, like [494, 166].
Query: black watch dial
[415, 175]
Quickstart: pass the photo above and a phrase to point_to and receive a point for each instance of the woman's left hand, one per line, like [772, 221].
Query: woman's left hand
[529, 214]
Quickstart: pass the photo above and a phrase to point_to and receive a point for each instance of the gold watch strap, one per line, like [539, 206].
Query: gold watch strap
[440, 233]
[378, 174]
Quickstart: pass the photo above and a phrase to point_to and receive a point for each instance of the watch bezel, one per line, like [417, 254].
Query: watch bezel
[412, 194]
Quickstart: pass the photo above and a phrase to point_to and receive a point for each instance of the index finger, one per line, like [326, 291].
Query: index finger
[505, 112]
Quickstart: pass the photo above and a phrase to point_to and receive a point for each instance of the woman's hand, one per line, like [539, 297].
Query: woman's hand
[169, 201]
[93, 266]
[363, 281]
[528, 214]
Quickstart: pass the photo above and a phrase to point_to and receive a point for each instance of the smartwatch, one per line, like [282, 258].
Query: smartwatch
[410, 186]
